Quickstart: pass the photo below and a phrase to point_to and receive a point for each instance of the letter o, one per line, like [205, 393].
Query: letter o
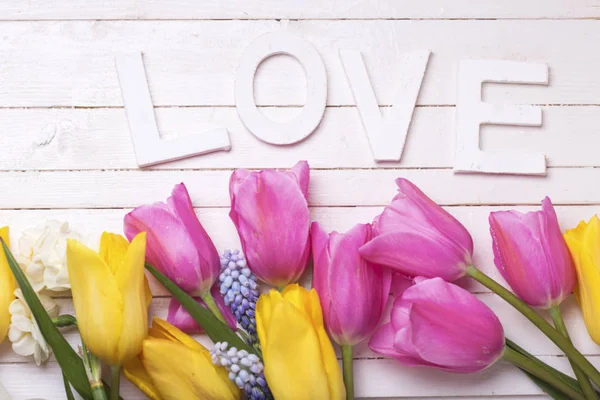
[301, 126]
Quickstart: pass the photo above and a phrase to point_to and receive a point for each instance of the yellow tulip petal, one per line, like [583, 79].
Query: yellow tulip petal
[161, 329]
[181, 373]
[264, 305]
[113, 248]
[98, 302]
[134, 371]
[131, 282]
[7, 288]
[293, 364]
[337, 389]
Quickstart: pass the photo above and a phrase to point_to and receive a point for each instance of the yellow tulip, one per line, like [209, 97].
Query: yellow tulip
[111, 296]
[7, 288]
[300, 362]
[173, 366]
[584, 245]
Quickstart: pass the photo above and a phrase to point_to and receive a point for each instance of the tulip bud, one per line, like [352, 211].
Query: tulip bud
[531, 255]
[270, 211]
[178, 246]
[353, 291]
[417, 237]
[437, 324]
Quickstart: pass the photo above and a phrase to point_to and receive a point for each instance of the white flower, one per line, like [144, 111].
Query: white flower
[43, 255]
[24, 332]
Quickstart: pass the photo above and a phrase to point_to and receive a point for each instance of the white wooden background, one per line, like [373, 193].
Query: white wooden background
[66, 151]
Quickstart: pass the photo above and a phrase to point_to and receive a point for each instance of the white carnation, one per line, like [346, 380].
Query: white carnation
[24, 332]
[42, 255]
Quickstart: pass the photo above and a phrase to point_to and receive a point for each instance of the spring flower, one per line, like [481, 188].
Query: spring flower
[239, 290]
[42, 255]
[353, 291]
[173, 366]
[178, 245]
[111, 296]
[584, 245]
[299, 359]
[181, 319]
[531, 255]
[270, 211]
[24, 333]
[437, 324]
[7, 288]
[417, 237]
[244, 369]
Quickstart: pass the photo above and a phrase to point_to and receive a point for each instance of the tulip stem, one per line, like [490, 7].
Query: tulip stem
[212, 306]
[115, 381]
[530, 366]
[347, 360]
[565, 345]
[584, 382]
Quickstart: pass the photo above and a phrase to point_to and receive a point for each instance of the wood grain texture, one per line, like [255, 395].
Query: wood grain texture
[191, 63]
[311, 9]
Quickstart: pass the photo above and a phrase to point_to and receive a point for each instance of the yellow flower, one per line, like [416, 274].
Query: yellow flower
[111, 295]
[7, 288]
[173, 366]
[584, 245]
[299, 359]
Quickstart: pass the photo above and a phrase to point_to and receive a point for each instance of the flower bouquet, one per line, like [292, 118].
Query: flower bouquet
[273, 338]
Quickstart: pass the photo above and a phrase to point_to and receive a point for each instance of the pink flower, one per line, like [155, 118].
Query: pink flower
[179, 316]
[437, 324]
[270, 211]
[416, 237]
[532, 256]
[177, 244]
[353, 291]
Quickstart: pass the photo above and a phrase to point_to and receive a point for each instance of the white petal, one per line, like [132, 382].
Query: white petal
[21, 323]
[25, 347]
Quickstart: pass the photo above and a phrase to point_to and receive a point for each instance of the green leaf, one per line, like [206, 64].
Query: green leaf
[216, 330]
[68, 390]
[69, 361]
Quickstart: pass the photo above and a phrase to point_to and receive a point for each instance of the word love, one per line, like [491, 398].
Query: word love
[387, 135]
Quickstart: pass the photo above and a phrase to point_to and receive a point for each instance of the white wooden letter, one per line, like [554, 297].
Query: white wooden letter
[149, 148]
[268, 45]
[386, 135]
[471, 113]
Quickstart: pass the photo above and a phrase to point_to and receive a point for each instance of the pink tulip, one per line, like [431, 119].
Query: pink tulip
[437, 324]
[179, 317]
[532, 256]
[353, 291]
[270, 211]
[177, 244]
[416, 237]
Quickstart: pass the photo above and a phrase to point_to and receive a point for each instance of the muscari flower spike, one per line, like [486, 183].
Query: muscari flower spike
[245, 369]
[239, 289]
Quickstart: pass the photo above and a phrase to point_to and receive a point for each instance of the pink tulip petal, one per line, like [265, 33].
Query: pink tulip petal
[169, 246]
[452, 328]
[413, 253]
[301, 171]
[399, 284]
[272, 219]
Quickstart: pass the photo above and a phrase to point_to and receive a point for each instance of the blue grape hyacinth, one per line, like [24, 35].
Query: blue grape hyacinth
[239, 289]
[245, 369]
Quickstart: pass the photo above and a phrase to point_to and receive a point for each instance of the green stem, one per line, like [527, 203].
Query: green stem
[348, 371]
[584, 382]
[559, 375]
[574, 355]
[98, 392]
[530, 366]
[68, 390]
[64, 320]
[212, 306]
[115, 383]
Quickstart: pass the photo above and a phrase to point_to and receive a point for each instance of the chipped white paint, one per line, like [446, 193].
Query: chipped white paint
[299, 127]
[149, 148]
[387, 135]
[472, 112]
